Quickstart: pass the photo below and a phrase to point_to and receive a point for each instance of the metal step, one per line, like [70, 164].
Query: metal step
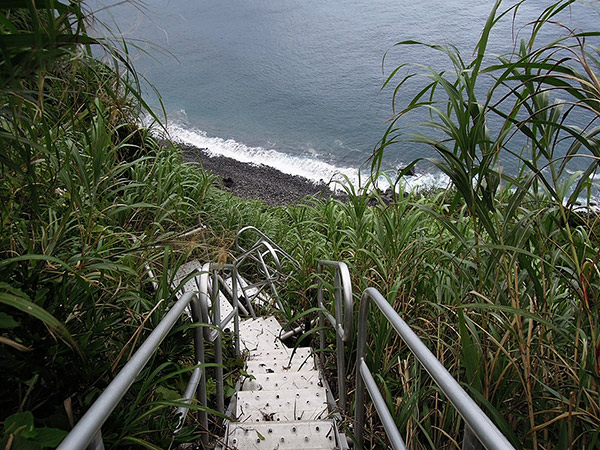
[183, 271]
[304, 435]
[273, 382]
[260, 335]
[282, 405]
[280, 366]
[284, 353]
[257, 297]
[193, 285]
[264, 324]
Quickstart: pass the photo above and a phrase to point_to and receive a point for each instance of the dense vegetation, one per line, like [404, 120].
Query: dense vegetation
[498, 275]
[88, 203]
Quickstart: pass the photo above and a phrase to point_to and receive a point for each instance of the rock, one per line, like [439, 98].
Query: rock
[410, 173]
[254, 181]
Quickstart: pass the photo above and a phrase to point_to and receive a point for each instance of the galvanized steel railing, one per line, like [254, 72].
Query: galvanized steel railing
[476, 420]
[87, 432]
[210, 272]
[209, 288]
[342, 322]
[258, 253]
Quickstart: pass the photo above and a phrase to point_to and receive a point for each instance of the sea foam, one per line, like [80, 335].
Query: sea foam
[311, 168]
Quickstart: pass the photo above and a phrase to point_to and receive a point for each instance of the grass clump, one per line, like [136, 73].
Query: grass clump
[500, 275]
[90, 206]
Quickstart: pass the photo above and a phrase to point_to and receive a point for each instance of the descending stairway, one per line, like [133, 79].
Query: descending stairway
[283, 405]
[282, 402]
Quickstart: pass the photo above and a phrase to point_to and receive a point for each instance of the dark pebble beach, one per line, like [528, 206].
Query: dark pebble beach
[253, 181]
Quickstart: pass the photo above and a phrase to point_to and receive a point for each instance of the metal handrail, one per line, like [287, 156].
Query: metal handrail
[272, 249]
[208, 284]
[89, 426]
[475, 419]
[205, 277]
[343, 315]
[265, 238]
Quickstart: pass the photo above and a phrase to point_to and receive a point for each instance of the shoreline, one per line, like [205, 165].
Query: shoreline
[256, 181]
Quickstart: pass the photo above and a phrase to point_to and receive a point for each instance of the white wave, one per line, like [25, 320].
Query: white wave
[426, 181]
[312, 168]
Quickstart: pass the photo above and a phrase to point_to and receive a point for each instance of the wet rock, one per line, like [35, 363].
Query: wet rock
[254, 181]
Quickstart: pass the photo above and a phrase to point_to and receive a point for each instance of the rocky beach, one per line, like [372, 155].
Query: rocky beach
[255, 181]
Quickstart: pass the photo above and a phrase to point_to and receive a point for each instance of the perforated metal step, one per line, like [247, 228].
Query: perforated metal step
[193, 285]
[283, 402]
[283, 353]
[304, 435]
[257, 297]
[254, 367]
[281, 405]
[273, 382]
[260, 335]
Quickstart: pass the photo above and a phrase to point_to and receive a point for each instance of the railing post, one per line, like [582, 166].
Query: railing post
[199, 356]
[342, 322]
[236, 307]
[359, 398]
[269, 276]
[218, 341]
[339, 341]
[321, 318]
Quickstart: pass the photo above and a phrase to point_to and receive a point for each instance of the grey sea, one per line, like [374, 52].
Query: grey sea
[297, 84]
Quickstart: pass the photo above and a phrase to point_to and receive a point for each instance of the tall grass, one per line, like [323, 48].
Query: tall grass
[89, 202]
[499, 275]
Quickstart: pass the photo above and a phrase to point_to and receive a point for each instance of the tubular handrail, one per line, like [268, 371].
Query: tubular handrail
[342, 294]
[205, 277]
[256, 254]
[475, 419]
[263, 238]
[90, 424]
[209, 294]
[343, 283]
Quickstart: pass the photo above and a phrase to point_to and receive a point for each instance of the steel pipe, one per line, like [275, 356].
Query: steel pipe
[342, 322]
[380, 406]
[485, 430]
[94, 418]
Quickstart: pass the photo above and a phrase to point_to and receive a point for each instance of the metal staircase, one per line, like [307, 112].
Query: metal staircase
[283, 404]
[282, 400]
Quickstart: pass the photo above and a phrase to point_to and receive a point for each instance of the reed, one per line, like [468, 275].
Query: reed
[498, 275]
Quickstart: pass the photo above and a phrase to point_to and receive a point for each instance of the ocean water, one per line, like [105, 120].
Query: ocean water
[297, 84]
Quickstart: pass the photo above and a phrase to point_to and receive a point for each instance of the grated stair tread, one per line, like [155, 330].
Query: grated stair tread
[284, 353]
[304, 435]
[283, 403]
[260, 335]
[292, 380]
[280, 405]
[193, 285]
[256, 296]
[281, 366]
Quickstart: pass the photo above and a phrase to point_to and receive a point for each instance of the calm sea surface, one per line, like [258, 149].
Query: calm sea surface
[296, 84]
